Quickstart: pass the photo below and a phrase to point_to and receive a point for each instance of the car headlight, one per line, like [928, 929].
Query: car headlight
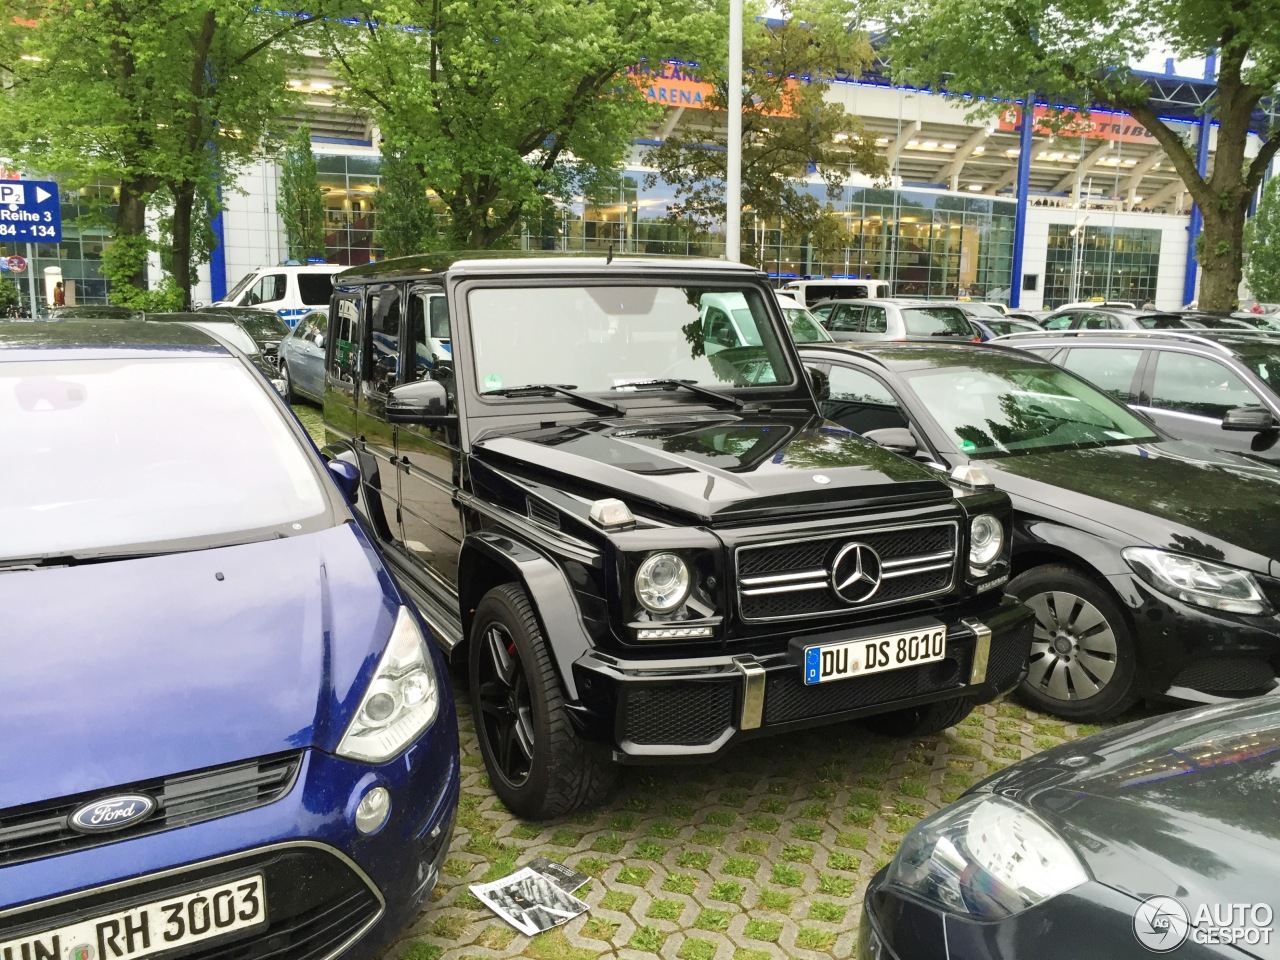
[662, 582]
[402, 700]
[986, 539]
[1200, 582]
[985, 857]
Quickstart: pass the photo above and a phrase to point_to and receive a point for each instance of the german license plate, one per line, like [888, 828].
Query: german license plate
[152, 928]
[892, 651]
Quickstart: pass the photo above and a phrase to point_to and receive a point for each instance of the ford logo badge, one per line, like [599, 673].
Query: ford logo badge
[111, 813]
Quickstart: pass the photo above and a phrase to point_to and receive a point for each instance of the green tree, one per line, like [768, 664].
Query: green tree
[10, 299]
[301, 203]
[788, 127]
[165, 97]
[1262, 265]
[406, 222]
[503, 103]
[1079, 52]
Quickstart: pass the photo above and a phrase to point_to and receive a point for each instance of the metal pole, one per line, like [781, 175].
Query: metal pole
[733, 180]
[1202, 167]
[1024, 188]
[31, 278]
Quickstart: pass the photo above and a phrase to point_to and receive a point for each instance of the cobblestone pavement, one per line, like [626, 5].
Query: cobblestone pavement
[764, 854]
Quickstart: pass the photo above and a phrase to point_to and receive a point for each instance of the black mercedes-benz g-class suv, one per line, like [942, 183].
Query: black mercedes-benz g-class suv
[638, 527]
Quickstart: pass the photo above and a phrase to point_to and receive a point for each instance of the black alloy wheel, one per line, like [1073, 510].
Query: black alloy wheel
[538, 764]
[1082, 661]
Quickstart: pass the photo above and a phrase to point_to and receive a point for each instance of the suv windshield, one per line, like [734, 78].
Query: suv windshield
[598, 338]
[1005, 405]
[935, 322]
[108, 464]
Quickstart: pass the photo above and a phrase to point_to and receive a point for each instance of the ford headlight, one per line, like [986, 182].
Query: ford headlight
[662, 582]
[985, 857]
[401, 701]
[1199, 582]
[986, 540]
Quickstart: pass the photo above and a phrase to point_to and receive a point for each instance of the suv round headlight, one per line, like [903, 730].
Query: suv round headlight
[986, 538]
[662, 582]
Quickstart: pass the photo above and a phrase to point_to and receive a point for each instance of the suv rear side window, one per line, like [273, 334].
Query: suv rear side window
[936, 322]
[1185, 383]
[315, 289]
[846, 318]
[1108, 369]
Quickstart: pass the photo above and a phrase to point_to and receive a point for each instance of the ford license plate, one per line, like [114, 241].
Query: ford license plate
[156, 927]
[854, 658]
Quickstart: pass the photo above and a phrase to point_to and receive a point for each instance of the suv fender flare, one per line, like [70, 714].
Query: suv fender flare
[488, 559]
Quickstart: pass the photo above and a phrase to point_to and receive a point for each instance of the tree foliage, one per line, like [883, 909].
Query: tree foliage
[1262, 267]
[502, 103]
[301, 203]
[406, 222]
[10, 299]
[164, 97]
[788, 128]
[1079, 52]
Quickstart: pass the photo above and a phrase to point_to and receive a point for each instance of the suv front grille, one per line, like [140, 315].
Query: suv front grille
[41, 830]
[793, 578]
[317, 903]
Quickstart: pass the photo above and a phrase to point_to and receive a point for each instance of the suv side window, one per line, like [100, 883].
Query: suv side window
[268, 290]
[860, 402]
[428, 333]
[846, 317]
[1108, 369]
[874, 320]
[1098, 321]
[717, 329]
[383, 344]
[1062, 321]
[344, 353]
[1186, 383]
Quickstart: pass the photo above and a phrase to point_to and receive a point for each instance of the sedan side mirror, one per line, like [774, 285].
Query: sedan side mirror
[1248, 420]
[347, 476]
[895, 439]
[319, 340]
[424, 402]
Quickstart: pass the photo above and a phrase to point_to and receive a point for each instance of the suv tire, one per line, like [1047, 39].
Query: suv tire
[538, 765]
[1081, 640]
[923, 721]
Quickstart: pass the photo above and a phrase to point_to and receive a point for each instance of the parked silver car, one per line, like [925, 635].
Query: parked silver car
[302, 358]
[892, 319]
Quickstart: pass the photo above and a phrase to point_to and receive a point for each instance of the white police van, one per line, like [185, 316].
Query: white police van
[292, 290]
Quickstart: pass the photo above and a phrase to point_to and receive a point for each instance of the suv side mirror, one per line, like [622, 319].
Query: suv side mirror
[820, 383]
[895, 439]
[424, 402]
[1248, 420]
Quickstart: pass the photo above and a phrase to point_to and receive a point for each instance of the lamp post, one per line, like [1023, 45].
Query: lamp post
[733, 179]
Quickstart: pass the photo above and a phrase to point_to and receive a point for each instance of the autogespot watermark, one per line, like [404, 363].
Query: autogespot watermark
[1162, 924]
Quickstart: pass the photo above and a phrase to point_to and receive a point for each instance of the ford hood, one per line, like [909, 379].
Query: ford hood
[121, 671]
[719, 468]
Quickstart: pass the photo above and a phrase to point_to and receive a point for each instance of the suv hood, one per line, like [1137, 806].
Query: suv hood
[1183, 805]
[720, 468]
[1176, 495]
[122, 671]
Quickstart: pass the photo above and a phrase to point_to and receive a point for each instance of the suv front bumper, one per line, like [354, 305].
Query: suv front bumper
[697, 707]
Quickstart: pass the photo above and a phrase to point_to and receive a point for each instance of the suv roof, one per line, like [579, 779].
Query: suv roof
[529, 261]
[102, 337]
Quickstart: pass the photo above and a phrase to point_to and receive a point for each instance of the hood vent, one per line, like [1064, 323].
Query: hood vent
[543, 513]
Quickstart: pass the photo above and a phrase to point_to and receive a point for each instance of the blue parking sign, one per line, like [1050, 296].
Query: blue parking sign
[29, 211]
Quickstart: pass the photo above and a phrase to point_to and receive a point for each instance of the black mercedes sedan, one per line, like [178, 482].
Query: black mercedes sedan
[1152, 565]
[1157, 837]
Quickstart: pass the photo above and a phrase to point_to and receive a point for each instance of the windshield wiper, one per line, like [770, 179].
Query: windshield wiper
[563, 389]
[690, 385]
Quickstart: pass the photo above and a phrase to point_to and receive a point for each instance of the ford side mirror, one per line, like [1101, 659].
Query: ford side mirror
[347, 476]
[424, 402]
[896, 439]
[1248, 420]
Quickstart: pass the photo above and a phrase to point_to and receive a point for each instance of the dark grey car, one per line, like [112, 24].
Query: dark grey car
[302, 358]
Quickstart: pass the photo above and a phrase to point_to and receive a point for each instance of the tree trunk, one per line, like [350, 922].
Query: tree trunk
[131, 222]
[180, 247]
[1221, 258]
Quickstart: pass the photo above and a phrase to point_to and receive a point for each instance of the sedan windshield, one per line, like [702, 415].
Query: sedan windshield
[1005, 405]
[595, 339]
[935, 322]
[111, 458]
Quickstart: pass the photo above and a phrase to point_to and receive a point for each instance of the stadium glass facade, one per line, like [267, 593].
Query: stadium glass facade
[1100, 262]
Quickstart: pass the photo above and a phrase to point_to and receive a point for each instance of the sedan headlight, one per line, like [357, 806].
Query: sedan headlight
[401, 701]
[662, 582]
[986, 540]
[1200, 582]
[985, 857]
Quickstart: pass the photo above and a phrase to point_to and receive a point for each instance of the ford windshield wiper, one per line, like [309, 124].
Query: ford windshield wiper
[690, 385]
[563, 389]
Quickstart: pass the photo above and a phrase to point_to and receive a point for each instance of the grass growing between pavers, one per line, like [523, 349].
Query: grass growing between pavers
[786, 832]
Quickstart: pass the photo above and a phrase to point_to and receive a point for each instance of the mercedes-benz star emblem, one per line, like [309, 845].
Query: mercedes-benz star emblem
[855, 574]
